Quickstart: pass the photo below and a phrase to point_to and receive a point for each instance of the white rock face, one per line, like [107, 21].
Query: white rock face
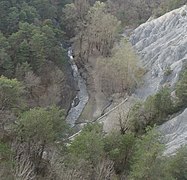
[162, 45]
[175, 132]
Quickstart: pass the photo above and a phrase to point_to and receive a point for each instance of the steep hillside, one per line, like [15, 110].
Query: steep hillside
[161, 43]
[76, 100]
[175, 132]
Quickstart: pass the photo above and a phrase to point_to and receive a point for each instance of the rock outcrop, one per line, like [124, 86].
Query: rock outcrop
[162, 45]
[175, 132]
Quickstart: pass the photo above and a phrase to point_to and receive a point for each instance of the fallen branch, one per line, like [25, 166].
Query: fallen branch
[113, 109]
[98, 119]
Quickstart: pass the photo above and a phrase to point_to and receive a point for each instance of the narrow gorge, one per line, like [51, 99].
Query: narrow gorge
[161, 45]
[93, 90]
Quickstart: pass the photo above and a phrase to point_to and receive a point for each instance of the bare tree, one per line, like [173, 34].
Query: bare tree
[123, 118]
[104, 170]
[24, 167]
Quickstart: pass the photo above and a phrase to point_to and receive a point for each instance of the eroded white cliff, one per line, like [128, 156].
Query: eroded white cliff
[175, 132]
[162, 45]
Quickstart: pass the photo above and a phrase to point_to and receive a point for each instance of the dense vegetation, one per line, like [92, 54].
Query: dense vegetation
[34, 80]
[33, 58]
[121, 71]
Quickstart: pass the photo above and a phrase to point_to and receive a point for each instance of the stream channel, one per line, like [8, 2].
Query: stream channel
[82, 96]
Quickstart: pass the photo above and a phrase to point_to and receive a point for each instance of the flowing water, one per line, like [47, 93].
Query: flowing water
[81, 98]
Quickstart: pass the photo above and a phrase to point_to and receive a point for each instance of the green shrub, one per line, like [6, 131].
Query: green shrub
[145, 161]
[88, 145]
[168, 71]
[153, 111]
[120, 148]
[177, 164]
[181, 90]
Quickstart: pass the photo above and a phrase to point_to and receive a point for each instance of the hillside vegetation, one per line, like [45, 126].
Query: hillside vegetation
[36, 90]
